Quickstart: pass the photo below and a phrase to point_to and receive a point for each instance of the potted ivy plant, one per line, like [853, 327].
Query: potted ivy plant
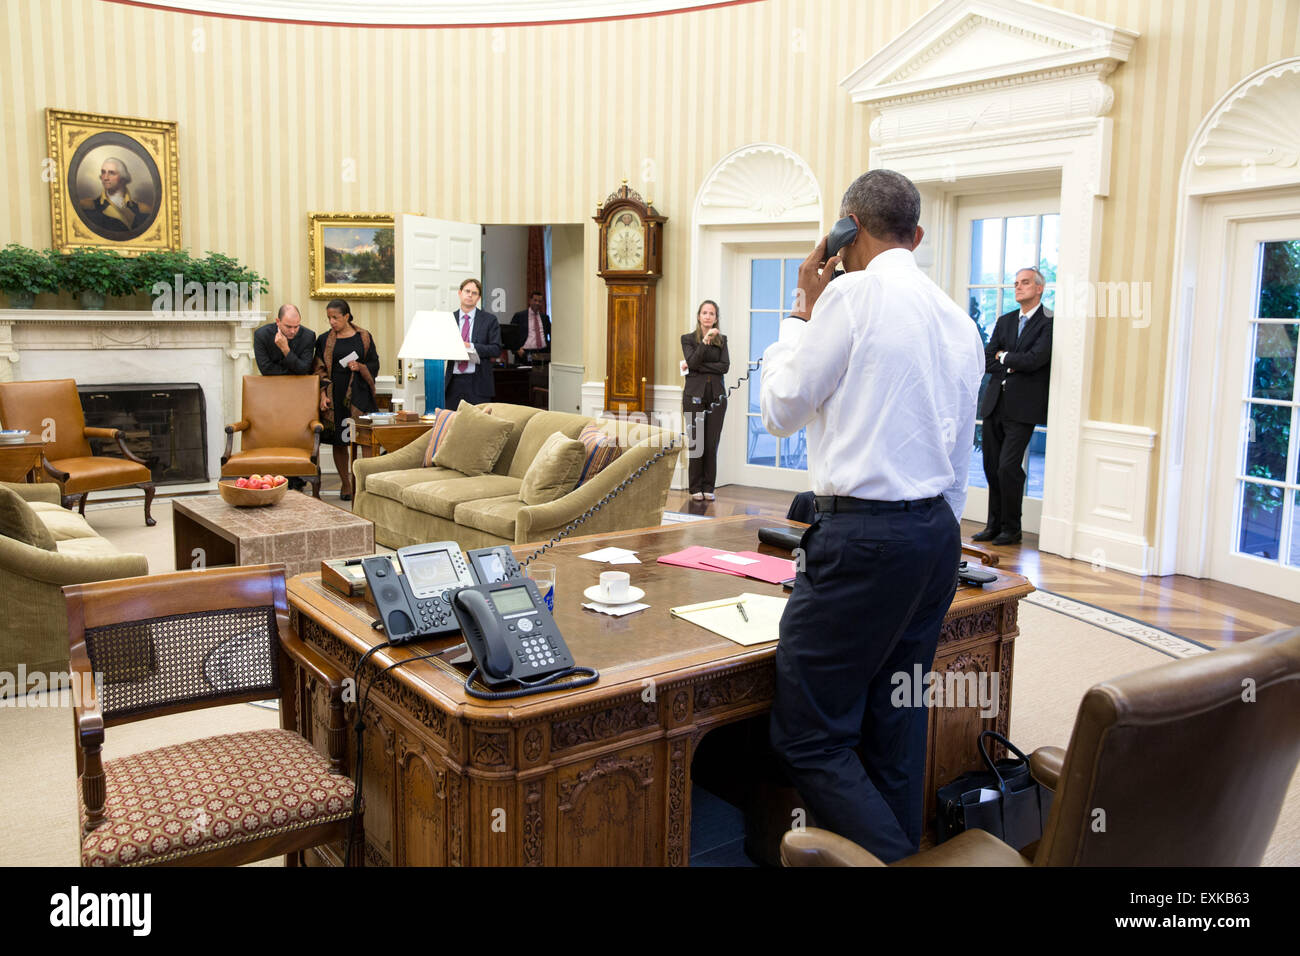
[93, 274]
[25, 274]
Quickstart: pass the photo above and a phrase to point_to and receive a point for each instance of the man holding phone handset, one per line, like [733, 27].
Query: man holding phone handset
[884, 370]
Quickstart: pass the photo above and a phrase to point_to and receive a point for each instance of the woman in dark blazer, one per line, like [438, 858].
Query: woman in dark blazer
[706, 361]
[345, 391]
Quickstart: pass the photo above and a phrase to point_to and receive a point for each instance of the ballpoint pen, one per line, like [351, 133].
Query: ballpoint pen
[740, 606]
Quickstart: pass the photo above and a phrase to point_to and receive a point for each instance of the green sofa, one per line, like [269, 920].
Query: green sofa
[34, 630]
[410, 504]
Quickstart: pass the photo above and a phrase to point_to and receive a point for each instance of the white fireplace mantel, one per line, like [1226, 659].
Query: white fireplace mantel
[214, 349]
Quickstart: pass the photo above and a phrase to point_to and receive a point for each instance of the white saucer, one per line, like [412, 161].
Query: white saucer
[633, 595]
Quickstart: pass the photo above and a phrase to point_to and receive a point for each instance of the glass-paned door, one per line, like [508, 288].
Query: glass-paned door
[995, 240]
[1257, 541]
[764, 288]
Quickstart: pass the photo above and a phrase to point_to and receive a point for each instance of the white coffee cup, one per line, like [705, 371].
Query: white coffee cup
[614, 586]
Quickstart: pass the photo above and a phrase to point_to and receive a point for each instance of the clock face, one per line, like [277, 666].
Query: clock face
[625, 242]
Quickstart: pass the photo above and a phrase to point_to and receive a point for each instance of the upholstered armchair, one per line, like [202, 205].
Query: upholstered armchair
[169, 643]
[279, 429]
[1188, 762]
[69, 459]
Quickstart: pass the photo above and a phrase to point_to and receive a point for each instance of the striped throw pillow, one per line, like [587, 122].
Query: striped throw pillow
[602, 449]
[441, 422]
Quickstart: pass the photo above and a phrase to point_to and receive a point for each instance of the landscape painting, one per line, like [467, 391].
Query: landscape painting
[351, 256]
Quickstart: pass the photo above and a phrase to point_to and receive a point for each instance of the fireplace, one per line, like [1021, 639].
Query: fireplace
[163, 424]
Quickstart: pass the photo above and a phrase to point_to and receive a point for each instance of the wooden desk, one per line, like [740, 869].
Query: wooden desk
[21, 461]
[600, 775]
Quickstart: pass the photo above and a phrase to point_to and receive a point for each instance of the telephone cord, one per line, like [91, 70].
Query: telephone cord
[673, 445]
[534, 687]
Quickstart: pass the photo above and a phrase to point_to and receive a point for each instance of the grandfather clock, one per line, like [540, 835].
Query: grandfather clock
[631, 263]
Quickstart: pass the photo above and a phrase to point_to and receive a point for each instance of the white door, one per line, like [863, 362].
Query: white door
[762, 294]
[995, 237]
[1255, 498]
[433, 257]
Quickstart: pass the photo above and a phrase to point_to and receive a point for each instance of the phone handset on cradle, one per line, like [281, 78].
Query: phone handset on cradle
[507, 626]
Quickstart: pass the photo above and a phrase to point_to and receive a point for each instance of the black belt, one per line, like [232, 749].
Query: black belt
[830, 504]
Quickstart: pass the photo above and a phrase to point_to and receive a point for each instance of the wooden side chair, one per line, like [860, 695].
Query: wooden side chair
[69, 459]
[279, 429]
[170, 643]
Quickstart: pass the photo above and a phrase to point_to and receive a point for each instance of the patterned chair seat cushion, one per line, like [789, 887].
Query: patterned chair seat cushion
[209, 794]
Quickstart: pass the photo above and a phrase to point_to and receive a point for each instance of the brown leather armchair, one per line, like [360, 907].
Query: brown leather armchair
[170, 643]
[279, 432]
[69, 459]
[1184, 764]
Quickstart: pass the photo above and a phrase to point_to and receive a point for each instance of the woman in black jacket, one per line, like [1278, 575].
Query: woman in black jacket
[707, 361]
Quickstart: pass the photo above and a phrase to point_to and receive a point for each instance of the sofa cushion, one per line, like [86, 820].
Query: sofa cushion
[391, 484]
[474, 441]
[64, 524]
[601, 451]
[540, 428]
[20, 522]
[518, 416]
[441, 497]
[555, 470]
[87, 547]
[442, 418]
[491, 515]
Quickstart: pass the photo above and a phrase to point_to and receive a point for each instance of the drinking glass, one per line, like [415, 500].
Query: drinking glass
[544, 575]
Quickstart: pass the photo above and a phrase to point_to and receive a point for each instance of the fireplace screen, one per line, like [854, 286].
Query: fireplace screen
[165, 425]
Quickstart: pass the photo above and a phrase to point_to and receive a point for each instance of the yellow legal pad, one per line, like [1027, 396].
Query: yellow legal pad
[721, 617]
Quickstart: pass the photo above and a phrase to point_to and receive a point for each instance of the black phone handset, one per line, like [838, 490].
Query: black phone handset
[513, 638]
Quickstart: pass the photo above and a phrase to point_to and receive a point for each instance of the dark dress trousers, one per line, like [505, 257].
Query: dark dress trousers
[520, 321]
[477, 386]
[705, 364]
[271, 361]
[1015, 400]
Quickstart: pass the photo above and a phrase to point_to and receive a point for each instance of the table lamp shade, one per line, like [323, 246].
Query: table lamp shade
[433, 335]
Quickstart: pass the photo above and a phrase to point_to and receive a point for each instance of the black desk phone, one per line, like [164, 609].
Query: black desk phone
[506, 624]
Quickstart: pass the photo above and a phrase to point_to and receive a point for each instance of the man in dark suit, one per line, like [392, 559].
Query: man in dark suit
[534, 327]
[1018, 358]
[472, 380]
[284, 347]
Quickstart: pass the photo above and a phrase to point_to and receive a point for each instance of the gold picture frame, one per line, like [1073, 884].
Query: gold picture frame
[114, 182]
[350, 255]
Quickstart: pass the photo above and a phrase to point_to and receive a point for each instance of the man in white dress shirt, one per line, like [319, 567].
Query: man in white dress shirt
[884, 370]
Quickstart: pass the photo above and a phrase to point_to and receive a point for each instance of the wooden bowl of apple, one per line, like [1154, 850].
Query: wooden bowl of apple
[254, 491]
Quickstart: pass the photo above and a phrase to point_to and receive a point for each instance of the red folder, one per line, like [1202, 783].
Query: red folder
[769, 568]
[693, 557]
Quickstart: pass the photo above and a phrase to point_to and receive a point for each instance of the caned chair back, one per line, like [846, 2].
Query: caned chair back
[1185, 764]
[279, 410]
[181, 641]
[32, 405]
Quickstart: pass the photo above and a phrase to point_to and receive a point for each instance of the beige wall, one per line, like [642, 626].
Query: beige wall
[544, 124]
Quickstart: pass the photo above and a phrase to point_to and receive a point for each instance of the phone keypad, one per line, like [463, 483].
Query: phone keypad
[536, 652]
[433, 612]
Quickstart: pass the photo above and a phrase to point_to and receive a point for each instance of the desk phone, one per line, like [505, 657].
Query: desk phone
[483, 595]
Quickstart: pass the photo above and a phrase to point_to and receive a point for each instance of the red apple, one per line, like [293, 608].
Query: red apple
[254, 477]
[242, 483]
[280, 479]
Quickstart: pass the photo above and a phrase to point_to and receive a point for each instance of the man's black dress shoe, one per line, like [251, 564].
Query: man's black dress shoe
[988, 534]
[1007, 537]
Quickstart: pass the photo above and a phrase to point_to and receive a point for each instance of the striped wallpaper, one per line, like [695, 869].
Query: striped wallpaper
[536, 124]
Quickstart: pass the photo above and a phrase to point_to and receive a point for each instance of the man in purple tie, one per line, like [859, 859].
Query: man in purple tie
[472, 380]
[534, 326]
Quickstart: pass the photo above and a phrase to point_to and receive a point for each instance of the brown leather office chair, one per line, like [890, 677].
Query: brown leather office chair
[279, 431]
[184, 641]
[1184, 764]
[69, 459]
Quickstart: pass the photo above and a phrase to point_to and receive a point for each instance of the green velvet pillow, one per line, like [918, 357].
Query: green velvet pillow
[474, 441]
[555, 470]
[19, 521]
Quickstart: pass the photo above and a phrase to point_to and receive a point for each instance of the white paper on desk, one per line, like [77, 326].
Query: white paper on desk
[732, 558]
[721, 617]
[612, 555]
[616, 610]
[350, 357]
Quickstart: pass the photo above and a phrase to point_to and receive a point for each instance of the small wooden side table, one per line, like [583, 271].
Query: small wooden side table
[21, 461]
[370, 440]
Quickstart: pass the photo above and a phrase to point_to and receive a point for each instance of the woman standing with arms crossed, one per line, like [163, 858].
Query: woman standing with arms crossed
[346, 389]
[706, 361]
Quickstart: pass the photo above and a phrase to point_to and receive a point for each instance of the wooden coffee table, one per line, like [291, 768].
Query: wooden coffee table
[299, 531]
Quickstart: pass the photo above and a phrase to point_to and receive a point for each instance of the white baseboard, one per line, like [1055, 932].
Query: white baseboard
[1114, 550]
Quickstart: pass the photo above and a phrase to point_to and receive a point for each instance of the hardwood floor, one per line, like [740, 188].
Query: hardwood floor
[1207, 611]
